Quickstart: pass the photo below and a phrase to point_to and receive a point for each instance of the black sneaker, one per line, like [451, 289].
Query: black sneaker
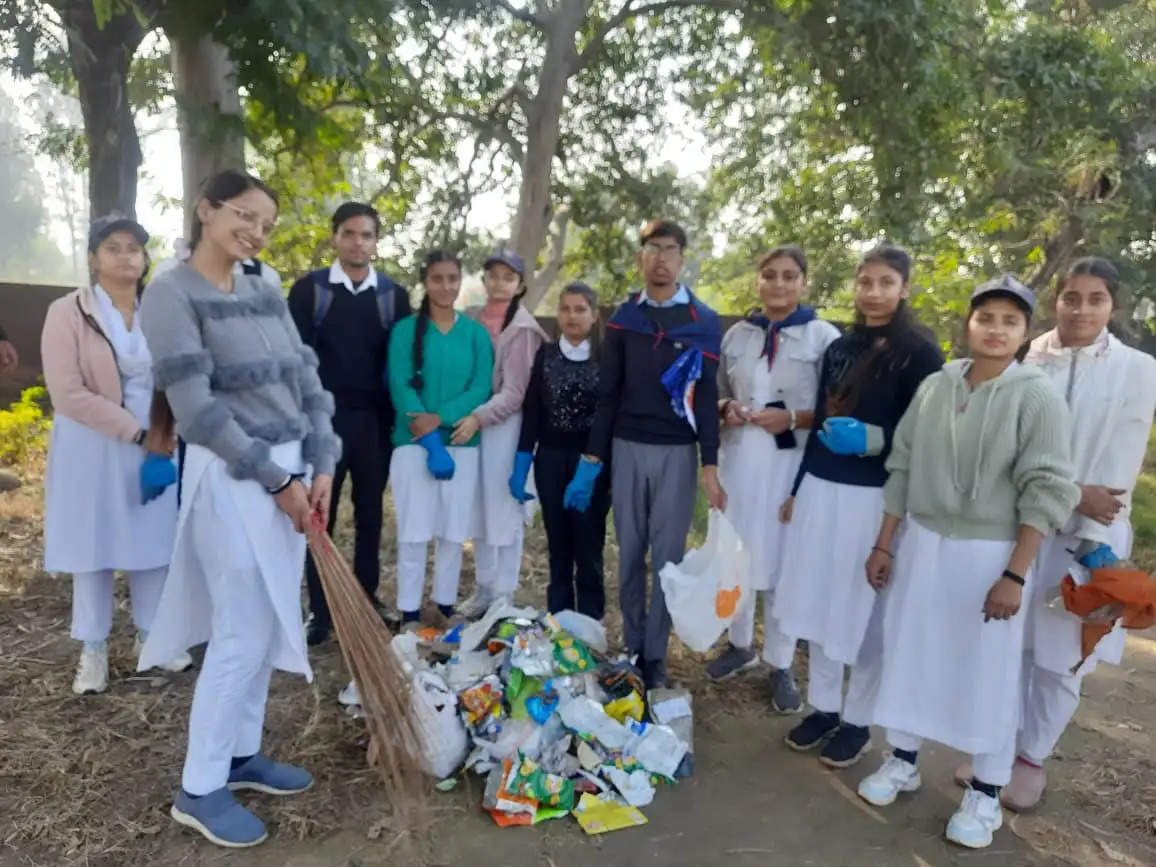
[317, 631]
[812, 731]
[847, 747]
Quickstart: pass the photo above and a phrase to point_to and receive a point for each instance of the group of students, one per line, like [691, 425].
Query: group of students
[204, 424]
[919, 535]
[940, 485]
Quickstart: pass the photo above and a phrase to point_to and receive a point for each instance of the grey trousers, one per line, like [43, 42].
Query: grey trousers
[653, 488]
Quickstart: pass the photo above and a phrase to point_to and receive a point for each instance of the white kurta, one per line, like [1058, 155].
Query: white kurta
[498, 517]
[823, 594]
[430, 509]
[230, 527]
[1110, 389]
[946, 674]
[756, 474]
[93, 516]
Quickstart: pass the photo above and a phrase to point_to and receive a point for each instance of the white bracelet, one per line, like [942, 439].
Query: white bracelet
[794, 420]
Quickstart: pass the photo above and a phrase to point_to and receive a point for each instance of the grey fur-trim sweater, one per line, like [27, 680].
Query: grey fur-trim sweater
[236, 373]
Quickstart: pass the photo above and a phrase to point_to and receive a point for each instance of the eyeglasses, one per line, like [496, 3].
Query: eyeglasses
[251, 219]
[660, 251]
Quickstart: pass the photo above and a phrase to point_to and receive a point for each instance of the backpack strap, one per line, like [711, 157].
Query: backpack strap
[322, 299]
[386, 292]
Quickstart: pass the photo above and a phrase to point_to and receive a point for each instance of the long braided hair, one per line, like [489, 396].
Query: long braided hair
[433, 257]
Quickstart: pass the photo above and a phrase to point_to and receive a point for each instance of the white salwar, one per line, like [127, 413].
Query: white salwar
[823, 595]
[1110, 389]
[235, 582]
[428, 509]
[94, 521]
[499, 519]
[947, 675]
[756, 474]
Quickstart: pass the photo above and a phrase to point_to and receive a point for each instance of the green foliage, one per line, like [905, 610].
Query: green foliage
[24, 428]
[985, 136]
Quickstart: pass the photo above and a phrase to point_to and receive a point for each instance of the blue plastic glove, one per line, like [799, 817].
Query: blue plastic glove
[437, 458]
[1099, 557]
[156, 473]
[581, 487]
[522, 461]
[844, 436]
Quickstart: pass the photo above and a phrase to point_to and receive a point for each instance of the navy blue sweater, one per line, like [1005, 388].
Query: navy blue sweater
[882, 402]
[350, 342]
[634, 405]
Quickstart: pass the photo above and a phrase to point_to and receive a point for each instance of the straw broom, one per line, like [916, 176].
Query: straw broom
[395, 735]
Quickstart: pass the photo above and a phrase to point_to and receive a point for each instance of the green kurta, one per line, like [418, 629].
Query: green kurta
[456, 372]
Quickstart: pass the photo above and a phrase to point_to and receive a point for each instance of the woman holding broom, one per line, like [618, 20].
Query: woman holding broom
[261, 451]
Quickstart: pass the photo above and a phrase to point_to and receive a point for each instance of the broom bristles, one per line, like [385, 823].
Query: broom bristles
[385, 691]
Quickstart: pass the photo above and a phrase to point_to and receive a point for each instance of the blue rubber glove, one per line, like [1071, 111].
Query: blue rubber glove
[1099, 557]
[437, 459]
[581, 487]
[156, 473]
[522, 461]
[844, 436]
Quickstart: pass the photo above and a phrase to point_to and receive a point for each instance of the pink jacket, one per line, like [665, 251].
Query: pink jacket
[80, 367]
[513, 360]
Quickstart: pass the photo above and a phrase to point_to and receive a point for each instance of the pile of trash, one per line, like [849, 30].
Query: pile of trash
[532, 702]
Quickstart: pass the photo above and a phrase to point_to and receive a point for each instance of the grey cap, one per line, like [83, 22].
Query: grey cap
[100, 228]
[1006, 284]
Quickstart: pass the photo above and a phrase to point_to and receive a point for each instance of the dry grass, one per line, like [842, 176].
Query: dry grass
[89, 780]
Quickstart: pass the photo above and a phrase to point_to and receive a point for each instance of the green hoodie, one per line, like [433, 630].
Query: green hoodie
[978, 464]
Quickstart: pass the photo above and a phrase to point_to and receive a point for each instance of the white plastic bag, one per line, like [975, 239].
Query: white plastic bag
[435, 708]
[709, 586]
[586, 629]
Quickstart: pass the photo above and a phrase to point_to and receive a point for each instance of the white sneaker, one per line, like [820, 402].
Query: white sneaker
[883, 787]
[350, 696]
[181, 662]
[477, 604]
[91, 672]
[976, 821]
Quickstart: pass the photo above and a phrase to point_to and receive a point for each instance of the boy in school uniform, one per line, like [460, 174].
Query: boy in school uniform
[345, 313]
[657, 414]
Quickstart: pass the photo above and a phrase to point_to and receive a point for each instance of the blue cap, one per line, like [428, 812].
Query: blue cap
[102, 227]
[507, 257]
[1006, 285]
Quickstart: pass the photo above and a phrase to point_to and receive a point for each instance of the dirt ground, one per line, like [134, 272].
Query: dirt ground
[89, 780]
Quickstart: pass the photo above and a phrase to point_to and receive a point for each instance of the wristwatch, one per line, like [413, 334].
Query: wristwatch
[794, 420]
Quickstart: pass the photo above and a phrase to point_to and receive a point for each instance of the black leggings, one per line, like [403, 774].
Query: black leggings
[575, 539]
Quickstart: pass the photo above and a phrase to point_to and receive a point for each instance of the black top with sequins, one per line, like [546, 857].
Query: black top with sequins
[560, 401]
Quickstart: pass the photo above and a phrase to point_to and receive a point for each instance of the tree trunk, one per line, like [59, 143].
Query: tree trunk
[543, 128]
[100, 60]
[209, 113]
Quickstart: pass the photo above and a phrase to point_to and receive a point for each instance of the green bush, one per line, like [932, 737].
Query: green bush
[24, 428]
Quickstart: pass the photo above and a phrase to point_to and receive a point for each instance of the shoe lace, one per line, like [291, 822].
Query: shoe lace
[975, 802]
[895, 767]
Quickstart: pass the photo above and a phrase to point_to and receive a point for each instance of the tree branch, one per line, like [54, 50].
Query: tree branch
[545, 278]
[536, 19]
[629, 10]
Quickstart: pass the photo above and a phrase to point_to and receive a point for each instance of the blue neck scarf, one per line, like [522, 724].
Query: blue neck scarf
[801, 315]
